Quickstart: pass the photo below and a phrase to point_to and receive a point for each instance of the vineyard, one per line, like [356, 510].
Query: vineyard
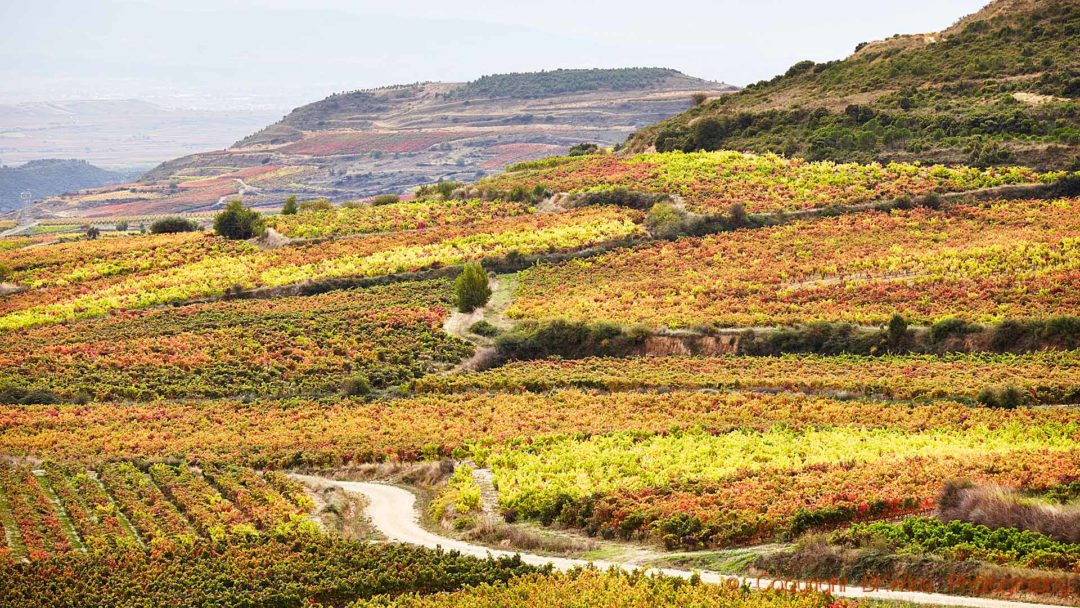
[250, 347]
[56, 510]
[354, 142]
[246, 267]
[962, 540]
[984, 263]
[394, 217]
[1043, 377]
[592, 588]
[788, 368]
[711, 182]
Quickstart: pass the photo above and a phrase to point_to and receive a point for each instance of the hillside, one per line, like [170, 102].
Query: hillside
[1000, 86]
[361, 143]
[40, 178]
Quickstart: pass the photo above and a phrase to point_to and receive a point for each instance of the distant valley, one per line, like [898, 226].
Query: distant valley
[117, 134]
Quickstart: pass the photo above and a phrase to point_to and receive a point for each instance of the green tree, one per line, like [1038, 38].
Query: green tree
[290, 206]
[170, 225]
[583, 149]
[471, 289]
[238, 222]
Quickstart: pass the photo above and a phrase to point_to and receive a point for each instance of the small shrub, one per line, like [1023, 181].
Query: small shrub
[988, 397]
[319, 204]
[39, 398]
[172, 225]
[932, 201]
[5, 272]
[483, 328]
[947, 328]
[12, 394]
[1010, 398]
[471, 290]
[121, 226]
[665, 221]
[357, 385]
[93, 232]
[385, 199]
[542, 339]
[238, 222]
[699, 98]
[897, 333]
[620, 197]
[1067, 185]
[290, 207]
[737, 216]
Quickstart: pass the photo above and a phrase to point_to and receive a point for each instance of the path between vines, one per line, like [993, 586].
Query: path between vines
[393, 513]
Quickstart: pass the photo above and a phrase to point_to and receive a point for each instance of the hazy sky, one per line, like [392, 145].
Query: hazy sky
[278, 53]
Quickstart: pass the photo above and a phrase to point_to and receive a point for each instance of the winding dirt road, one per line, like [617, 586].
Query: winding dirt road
[392, 511]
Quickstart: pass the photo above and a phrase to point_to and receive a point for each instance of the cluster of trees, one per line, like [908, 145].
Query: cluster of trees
[559, 82]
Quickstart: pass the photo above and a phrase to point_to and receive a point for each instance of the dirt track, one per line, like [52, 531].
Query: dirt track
[392, 511]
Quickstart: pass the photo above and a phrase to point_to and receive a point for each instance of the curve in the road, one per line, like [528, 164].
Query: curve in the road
[392, 511]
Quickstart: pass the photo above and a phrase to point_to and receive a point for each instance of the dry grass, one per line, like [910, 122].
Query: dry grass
[998, 508]
[423, 474]
[490, 531]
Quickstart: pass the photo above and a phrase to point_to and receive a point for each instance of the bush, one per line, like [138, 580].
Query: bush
[12, 394]
[543, 339]
[16, 395]
[238, 222]
[947, 328]
[357, 385]
[1067, 185]
[665, 221]
[385, 199]
[39, 398]
[620, 197]
[319, 204]
[5, 273]
[290, 207]
[737, 216]
[443, 190]
[471, 289]
[583, 149]
[171, 225]
[1007, 398]
[897, 333]
[121, 226]
[93, 233]
[483, 328]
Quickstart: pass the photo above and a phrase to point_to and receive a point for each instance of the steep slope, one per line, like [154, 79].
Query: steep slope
[1000, 86]
[360, 143]
[40, 178]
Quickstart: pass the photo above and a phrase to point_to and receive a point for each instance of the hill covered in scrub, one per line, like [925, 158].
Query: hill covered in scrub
[1000, 86]
[357, 144]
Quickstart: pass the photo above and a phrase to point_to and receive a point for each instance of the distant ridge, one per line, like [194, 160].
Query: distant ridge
[356, 144]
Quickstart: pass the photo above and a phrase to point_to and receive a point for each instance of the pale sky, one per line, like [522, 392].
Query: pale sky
[279, 53]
